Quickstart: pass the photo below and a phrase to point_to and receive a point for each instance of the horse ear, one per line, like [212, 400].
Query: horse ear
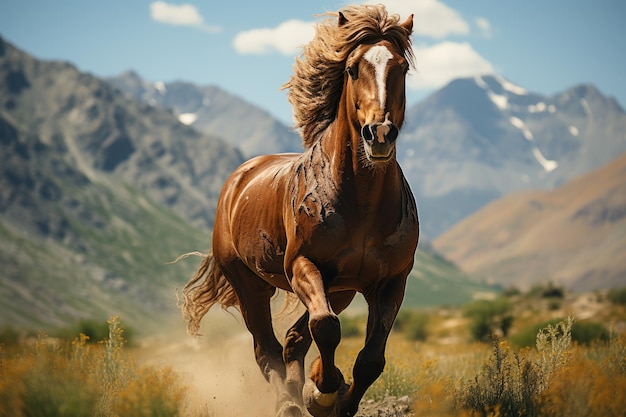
[408, 24]
[342, 19]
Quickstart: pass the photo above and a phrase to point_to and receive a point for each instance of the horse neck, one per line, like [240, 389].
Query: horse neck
[352, 173]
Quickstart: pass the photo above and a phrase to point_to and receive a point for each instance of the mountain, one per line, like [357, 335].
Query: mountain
[97, 193]
[98, 130]
[469, 143]
[574, 236]
[480, 138]
[210, 109]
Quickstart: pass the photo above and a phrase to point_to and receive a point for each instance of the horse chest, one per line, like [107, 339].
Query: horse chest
[357, 252]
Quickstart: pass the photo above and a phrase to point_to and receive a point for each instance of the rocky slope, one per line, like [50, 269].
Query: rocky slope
[574, 236]
[210, 109]
[94, 188]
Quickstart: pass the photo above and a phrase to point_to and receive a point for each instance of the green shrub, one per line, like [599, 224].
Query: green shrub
[488, 317]
[352, 326]
[507, 385]
[586, 332]
[9, 336]
[416, 327]
[511, 292]
[413, 323]
[617, 296]
[554, 304]
[582, 332]
[397, 380]
[95, 330]
[510, 384]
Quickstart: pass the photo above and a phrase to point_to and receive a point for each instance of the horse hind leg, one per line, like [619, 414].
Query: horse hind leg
[254, 296]
[297, 343]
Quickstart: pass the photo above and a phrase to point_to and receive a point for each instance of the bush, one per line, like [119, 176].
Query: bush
[488, 317]
[554, 304]
[553, 292]
[507, 385]
[617, 296]
[414, 324]
[9, 336]
[95, 330]
[511, 292]
[416, 327]
[586, 332]
[589, 387]
[582, 332]
[510, 384]
[352, 326]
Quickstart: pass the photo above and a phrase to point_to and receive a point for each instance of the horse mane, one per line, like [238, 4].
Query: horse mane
[317, 82]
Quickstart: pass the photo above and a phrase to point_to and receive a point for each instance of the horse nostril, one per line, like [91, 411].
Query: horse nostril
[368, 132]
[392, 135]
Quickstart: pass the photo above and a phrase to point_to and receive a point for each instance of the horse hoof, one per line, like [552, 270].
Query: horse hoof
[317, 403]
[289, 409]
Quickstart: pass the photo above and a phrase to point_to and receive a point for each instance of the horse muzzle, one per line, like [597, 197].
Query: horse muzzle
[380, 139]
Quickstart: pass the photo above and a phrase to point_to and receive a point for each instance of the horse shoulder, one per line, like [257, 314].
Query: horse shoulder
[252, 206]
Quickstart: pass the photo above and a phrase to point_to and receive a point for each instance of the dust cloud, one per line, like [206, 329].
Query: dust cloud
[218, 367]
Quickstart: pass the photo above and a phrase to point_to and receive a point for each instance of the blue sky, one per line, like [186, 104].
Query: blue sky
[248, 47]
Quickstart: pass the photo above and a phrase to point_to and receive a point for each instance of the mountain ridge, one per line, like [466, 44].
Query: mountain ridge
[479, 138]
[573, 236]
[210, 109]
[93, 191]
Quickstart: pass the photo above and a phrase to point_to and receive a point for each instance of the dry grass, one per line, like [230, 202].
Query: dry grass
[555, 378]
[51, 377]
[443, 373]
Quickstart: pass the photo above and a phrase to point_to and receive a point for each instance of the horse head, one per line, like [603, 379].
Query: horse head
[375, 94]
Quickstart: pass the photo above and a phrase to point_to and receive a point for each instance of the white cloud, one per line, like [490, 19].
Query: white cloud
[441, 63]
[285, 38]
[484, 26]
[179, 15]
[431, 18]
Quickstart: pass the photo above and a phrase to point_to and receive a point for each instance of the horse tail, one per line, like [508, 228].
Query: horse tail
[206, 287]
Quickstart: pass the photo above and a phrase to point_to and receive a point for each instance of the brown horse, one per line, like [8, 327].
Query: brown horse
[336, 219]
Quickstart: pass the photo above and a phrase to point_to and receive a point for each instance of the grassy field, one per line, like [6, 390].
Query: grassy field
[442, 360]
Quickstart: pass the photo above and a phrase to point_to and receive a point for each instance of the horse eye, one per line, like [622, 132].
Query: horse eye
[352, 72]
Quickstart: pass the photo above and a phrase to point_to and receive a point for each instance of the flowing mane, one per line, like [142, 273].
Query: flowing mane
[316, 85]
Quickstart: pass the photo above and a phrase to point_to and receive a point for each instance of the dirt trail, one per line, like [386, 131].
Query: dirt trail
[219, 369]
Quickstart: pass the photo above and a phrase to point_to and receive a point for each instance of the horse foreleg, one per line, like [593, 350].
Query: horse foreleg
[298, 341]
[308, 284]
[384, 303]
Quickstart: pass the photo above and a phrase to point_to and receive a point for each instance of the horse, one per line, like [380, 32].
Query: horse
[337, 219]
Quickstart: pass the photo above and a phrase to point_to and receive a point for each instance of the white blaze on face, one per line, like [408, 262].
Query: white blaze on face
[378, 57]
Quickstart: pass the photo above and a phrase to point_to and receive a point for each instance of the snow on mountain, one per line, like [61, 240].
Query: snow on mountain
[480, 138]
[187, 118]
[212, 110]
